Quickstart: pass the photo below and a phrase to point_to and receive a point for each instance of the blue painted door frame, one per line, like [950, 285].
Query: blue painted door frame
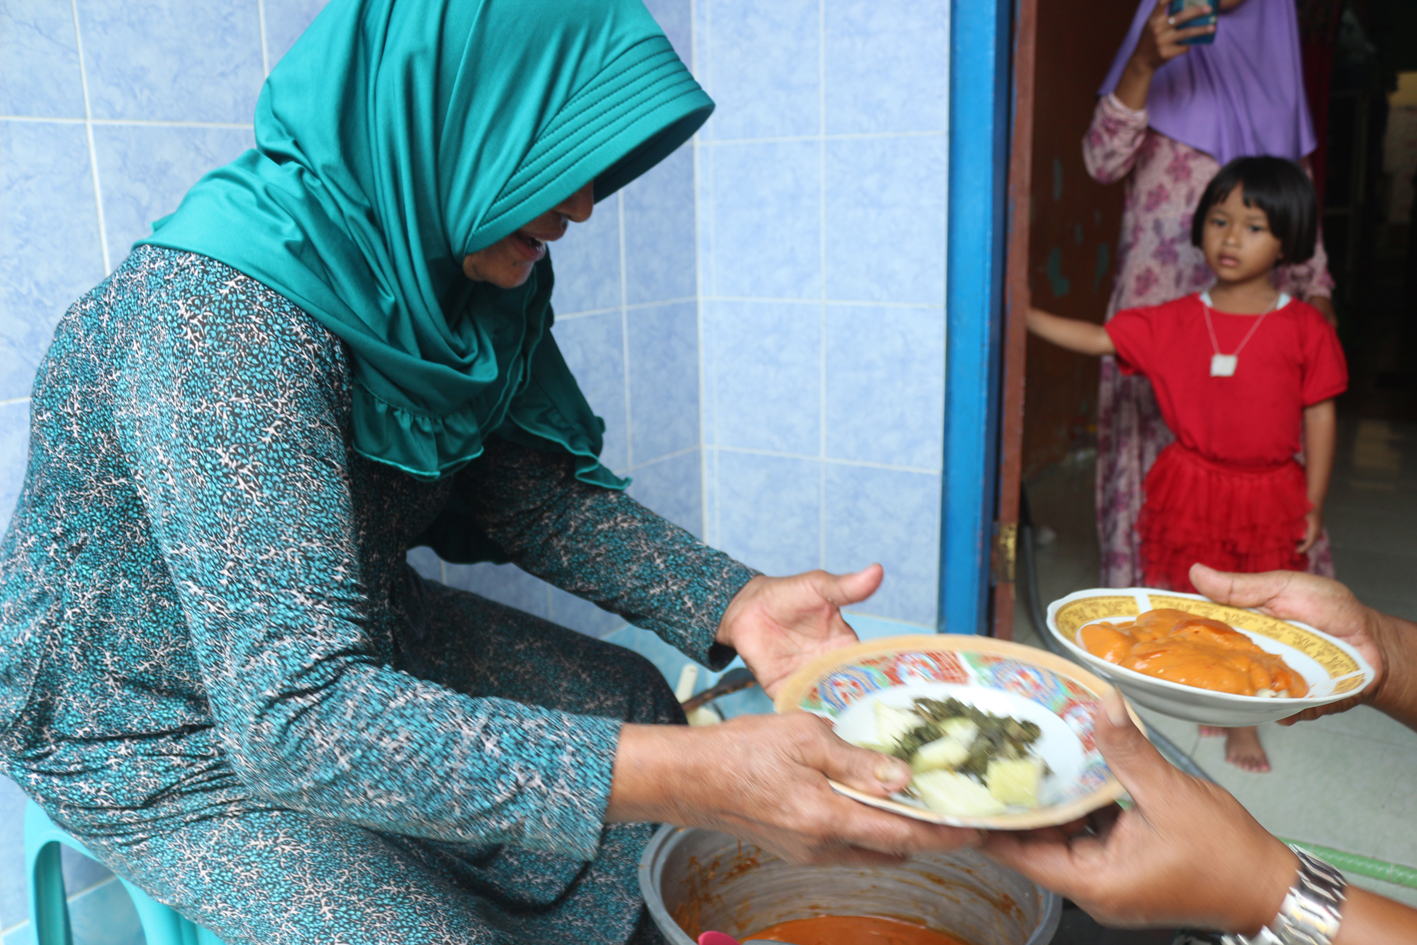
[980, 37]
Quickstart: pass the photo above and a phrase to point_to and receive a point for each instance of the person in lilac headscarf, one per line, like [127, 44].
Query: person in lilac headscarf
[1169, 115]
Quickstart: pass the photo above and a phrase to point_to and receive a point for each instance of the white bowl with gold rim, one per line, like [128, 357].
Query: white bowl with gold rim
[1333, 670]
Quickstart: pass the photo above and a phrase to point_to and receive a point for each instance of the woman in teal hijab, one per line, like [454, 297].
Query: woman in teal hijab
[216, 667]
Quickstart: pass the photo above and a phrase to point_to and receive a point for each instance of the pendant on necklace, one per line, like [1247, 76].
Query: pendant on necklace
[1223, 365]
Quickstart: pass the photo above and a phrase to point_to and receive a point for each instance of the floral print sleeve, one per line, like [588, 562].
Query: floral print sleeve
[601, 545]
[230, 415]
[1109, 149]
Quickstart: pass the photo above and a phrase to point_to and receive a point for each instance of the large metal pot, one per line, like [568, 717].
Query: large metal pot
[696, 880]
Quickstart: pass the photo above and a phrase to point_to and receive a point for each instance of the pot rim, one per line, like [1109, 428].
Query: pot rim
[668, 837]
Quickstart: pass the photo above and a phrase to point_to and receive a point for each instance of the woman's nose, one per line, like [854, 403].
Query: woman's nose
[578, 207]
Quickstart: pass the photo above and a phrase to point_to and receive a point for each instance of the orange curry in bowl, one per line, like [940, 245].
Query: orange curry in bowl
[1194, 651]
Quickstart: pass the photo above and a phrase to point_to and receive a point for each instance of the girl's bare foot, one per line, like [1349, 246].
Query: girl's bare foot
[1243, 749]
[1213, 731]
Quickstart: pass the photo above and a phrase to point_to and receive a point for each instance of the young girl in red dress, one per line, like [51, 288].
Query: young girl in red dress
[1241, 373]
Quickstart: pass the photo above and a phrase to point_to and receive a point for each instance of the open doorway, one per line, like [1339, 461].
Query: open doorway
[1360, 71]
[1360, 56]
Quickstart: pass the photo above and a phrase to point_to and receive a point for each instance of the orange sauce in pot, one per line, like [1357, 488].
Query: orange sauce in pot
[1194, 651]
[853, 930]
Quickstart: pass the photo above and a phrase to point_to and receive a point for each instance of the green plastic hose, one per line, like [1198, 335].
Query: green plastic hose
[1393, 873]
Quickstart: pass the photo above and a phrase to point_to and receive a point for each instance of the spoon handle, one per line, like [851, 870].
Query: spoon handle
[731, 682]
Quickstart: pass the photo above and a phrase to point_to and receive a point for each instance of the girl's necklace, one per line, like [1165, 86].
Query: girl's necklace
[1223, 365]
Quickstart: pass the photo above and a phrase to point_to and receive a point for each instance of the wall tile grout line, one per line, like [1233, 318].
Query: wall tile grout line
[625, 335]
[864, 464]
[698, 292]
[164, 123]
[665, 458]
[88, 133]
[712, 210]
[567, 316]
[14, 400]
[43, 121]
[129, 122]
[848, 614]
[708, 282]
[717, 503]
[822, 265]
[265, 55]
[842, 136]
[923, 306]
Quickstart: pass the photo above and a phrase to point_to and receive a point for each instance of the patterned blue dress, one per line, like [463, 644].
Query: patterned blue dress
[218, 670]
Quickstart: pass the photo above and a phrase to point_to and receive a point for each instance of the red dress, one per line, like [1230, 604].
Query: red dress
[1229, 492]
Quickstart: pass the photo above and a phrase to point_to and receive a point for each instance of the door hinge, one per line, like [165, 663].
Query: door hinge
[1005, 551]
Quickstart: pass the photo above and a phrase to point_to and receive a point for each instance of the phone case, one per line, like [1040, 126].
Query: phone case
[1176, 6]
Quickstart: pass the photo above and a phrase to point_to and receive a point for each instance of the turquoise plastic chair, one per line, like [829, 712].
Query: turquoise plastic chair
[49, 907]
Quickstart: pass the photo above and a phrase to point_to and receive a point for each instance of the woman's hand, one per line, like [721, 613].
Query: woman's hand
[1160, 42]
[1186, 854]
[763, 778]
[778, 623]
[1161, 38]
[1387, 643]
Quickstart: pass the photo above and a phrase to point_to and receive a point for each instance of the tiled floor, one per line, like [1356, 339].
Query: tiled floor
[1348, 781]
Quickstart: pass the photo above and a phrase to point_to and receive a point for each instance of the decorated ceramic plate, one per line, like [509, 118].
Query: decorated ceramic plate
[1332, 668]
[998, 677]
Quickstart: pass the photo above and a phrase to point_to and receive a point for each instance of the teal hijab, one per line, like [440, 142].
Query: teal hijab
[398, 136]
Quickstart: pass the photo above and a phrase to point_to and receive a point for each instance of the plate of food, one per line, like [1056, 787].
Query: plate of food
[999, 735]
[1190, 658]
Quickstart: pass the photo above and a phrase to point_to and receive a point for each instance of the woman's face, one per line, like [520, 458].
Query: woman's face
[1238, 243]
[508, 262]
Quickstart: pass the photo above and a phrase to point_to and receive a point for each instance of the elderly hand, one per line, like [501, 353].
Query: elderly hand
[1387, 643]
[763, 778]
[779, 623]
[1186, 854]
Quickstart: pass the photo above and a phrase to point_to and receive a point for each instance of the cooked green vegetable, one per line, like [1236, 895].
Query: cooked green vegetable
[996, 736]
[962, 755]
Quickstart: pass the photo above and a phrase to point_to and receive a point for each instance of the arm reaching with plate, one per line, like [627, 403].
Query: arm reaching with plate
[763, 778]
[1186, 854]
[1388, 643]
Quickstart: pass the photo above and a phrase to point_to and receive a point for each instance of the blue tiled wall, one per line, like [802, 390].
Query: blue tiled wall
[821, 218]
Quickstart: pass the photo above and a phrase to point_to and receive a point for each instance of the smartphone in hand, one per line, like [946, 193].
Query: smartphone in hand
[1178, 6]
